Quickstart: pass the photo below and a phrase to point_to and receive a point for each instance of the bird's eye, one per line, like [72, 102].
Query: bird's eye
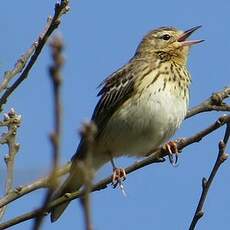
[165, 37]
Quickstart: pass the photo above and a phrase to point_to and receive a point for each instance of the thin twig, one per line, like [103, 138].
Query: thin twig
[60, 9]
[12, 120]
[18, 67]
[154, 158]
[56, 79]
[213, 103]
[222, 156]
[38, 184]
[88, 133]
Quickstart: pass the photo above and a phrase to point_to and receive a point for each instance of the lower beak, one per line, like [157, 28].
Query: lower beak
[182, 38]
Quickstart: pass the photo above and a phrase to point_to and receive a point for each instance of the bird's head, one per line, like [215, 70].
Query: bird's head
[169, 41]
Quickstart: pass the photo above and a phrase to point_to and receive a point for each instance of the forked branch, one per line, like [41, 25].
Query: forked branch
[221, 157]
[52, 24]
[12, 121]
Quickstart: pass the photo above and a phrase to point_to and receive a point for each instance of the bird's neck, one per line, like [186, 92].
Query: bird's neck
[179, 58]
[175, 57]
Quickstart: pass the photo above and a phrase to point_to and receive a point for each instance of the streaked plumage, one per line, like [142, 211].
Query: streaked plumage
[141, 105]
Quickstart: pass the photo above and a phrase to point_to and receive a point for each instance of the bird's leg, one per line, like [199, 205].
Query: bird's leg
[119, 175]
[171, 147]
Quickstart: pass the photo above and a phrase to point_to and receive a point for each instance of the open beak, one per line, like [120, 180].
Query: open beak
[182, 38]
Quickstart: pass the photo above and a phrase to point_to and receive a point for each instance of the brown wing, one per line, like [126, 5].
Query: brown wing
[116, 89]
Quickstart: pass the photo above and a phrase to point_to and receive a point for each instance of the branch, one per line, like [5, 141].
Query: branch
[88, 133]
[12, 121]
[213, 103]
[23, 190]
[222, 156]
[153, 158]
[18, 67]
[56, 79]
[52, 24]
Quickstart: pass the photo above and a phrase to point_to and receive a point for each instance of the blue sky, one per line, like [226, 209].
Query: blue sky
[100, 36]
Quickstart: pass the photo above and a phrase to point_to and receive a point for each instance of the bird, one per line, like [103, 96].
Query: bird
[141, 105]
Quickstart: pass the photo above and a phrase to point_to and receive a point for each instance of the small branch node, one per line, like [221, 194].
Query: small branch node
[67, 195]
[88, 131]
[18, 189]
[6, 158]
[199, 214]
[221, 145]
[222, 119]
[12, 112]
[49, 19]
[17, 147]
[54, 138]
[6, 117]
[204, 183]
[216, 99]
[224, 157]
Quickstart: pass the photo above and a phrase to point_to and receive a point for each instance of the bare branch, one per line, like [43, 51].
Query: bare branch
[18, 67]
[153, 158]
[12, 120]
[60, 9]
[213, 103]
[222, 156]
[38, 184]
[88, 133]
[56, 79]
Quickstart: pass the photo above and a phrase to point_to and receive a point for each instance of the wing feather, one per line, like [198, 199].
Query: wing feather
[116, 89]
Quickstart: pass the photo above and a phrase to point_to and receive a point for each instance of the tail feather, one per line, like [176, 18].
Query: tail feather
[76, 177]
[57, 212]
[72, 183]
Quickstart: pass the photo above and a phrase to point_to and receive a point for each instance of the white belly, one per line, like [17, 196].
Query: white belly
[144, 123]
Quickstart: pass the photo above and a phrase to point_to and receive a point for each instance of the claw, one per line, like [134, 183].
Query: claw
[119, 175]
[171, 147]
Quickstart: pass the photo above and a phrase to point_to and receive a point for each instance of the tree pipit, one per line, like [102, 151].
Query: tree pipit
[141, 105]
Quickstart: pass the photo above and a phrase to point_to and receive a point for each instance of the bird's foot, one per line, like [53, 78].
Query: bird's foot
[119, 175]
[171, 147]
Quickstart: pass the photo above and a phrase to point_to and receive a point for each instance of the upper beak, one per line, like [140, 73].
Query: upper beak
[182, 38]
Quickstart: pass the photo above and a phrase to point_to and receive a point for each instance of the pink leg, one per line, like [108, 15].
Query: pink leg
[119, 175]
